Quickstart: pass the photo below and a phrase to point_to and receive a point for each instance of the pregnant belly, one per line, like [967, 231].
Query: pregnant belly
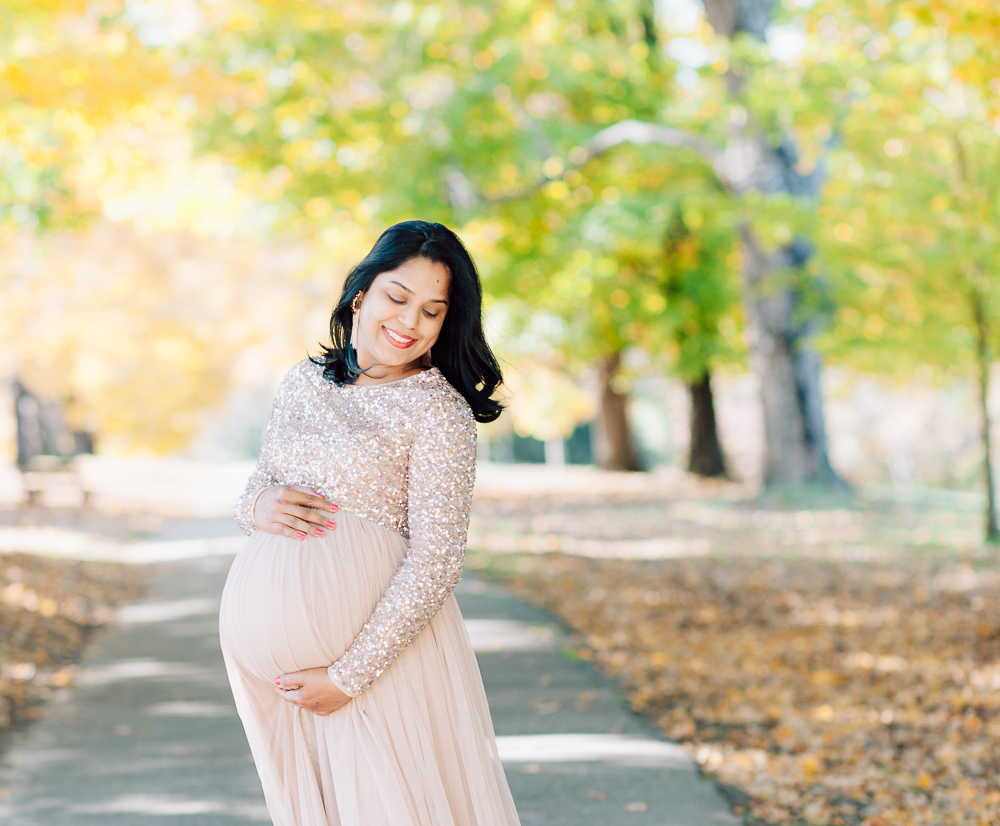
[293, 604]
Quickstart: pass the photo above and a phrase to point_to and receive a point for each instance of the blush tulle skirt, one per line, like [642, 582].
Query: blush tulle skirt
[416, 749]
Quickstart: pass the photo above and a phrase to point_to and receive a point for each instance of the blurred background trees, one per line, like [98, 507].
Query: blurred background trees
[651, 189]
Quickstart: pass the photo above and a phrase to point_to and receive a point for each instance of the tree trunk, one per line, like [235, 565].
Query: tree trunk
[614, 447]
[779, 336]
[788, 370]
[983, 364]
[705, 455]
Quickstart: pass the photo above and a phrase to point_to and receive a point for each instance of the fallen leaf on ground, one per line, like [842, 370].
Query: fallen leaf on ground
[48, 608]
[829, 692]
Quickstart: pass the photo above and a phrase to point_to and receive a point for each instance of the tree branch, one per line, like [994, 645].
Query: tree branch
[635, 132]
[641, 134]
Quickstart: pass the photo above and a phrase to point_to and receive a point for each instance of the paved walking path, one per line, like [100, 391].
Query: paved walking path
[149, 734]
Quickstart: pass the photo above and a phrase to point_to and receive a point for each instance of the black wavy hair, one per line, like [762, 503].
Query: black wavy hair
[460, 352]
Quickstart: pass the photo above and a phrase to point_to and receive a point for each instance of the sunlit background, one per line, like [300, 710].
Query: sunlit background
[185, 184]
[742, 268]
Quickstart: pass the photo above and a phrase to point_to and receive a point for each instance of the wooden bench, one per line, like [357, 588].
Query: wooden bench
[48, 474]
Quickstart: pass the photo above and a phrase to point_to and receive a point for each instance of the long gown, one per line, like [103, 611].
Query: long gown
[372, 600]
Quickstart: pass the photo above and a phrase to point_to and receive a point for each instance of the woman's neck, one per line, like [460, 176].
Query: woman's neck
[380, 374]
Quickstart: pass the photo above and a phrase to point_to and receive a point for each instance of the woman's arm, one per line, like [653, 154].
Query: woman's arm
[265, 474]
[293, 511]
[441, 475]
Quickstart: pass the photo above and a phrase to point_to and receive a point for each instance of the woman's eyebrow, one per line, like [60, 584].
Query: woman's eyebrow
[433, 300]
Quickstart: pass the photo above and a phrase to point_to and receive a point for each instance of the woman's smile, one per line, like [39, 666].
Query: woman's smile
[398, 339]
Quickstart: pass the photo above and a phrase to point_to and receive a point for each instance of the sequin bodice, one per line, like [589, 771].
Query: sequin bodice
[400, 454]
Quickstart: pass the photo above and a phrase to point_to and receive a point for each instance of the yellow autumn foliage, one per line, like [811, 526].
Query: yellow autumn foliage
[144, 337]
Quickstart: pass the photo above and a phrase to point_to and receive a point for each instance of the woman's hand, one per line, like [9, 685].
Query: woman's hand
[312, 690]
[293, 510]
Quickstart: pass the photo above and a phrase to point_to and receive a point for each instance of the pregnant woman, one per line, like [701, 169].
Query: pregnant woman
[351, 667]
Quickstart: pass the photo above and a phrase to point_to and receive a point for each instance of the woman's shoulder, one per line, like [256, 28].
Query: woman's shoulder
[444, 402]
[305, 372]
[297, 381]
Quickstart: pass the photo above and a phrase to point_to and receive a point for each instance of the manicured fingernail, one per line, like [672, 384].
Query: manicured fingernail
[331, 524]
[335, 507]
[301, 535]
[321, 496]
[319, 531]
[278, 681]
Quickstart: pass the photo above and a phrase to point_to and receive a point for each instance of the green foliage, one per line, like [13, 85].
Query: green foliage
[910, 222]
[701, 291]
[349, 116]
[472, 115]
[476, 116]
[68, 72]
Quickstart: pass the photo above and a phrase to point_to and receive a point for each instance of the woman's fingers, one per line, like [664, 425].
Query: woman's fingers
[302, 495]
[299, 533]
[304, 504]
[314, 502]
[302, 526]
[307, 512]
[311, 690]
[308, 520]
[294, 511]
[289, 688]
[314, 517]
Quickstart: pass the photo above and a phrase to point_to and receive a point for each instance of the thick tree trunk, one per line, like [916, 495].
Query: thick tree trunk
[780, 324]
[779, 337]
[614, 447]
[705, 454]
[788, 370]
[983, 364]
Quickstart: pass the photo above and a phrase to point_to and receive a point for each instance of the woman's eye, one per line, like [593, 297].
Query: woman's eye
[430, 315]
[395, 300]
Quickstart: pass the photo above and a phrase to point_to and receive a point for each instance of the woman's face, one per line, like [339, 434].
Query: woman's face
[400, 317]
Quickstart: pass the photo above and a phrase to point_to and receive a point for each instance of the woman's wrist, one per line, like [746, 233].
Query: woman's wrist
[253, 507]
[337, 682]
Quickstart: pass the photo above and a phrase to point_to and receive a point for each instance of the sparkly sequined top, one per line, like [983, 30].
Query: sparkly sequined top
[401, 454]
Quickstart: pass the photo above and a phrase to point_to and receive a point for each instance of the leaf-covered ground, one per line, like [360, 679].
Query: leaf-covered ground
[49, 605]
[817, 688]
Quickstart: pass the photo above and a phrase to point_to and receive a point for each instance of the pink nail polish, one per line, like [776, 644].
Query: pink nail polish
[319, 532]
[301, 535]
[278, 681]
[331, 524]
[321, 496]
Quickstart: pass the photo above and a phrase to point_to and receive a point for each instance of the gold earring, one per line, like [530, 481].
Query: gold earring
[355, 306]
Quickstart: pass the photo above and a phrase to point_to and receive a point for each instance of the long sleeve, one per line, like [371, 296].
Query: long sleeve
[442, 469]
[265, 473]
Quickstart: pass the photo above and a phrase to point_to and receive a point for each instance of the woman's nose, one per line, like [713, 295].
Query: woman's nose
[408, 317]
